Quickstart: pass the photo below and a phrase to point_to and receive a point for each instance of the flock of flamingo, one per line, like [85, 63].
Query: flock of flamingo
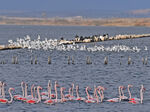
[48, 97]
[54, 44]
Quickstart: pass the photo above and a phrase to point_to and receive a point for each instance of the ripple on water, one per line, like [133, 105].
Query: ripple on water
[117, 72]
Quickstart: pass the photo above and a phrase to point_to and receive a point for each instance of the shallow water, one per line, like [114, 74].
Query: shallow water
[110, 76]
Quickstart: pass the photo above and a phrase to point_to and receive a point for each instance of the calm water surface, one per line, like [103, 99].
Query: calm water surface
[110, 76]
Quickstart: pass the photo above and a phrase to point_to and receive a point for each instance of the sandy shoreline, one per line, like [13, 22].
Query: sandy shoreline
[75, 21]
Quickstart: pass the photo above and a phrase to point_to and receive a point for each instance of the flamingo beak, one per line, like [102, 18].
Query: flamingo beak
[144, 89]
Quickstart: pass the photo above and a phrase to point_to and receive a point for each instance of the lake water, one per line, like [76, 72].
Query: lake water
[117, 72]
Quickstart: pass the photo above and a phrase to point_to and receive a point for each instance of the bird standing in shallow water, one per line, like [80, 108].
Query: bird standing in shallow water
[137, 100]
[4, 100]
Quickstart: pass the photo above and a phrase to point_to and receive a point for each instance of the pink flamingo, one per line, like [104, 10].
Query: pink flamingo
[89, 100]
[26, 92]
[130, 92]
[87, 93]
[35, 94]
[35, 100]
[116, 99]
[72, 96]
[123, 97]
[49, 91]
[52, 101]
[49, 101]
[20, 97]
[78, 97]
[69, 93]
[137, 100]
[56, 85]
[63, 99]
[27, 97]
[95, 90]
[46, 92]
[130, 96]
[96, 96]
[46, 95]
[4, 100]
[101, 92]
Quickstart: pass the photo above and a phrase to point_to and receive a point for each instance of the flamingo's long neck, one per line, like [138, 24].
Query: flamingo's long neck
[56, 92]
[72, 89]
[119, 93]
[11, 97]
[141, 94]
[39, 96]
[77, 91]
[87, 93]
[129, 92]
[102, 95]
[26, 92]
[48, 89]
[122, 92]
[3, 90]
[22, 90]
[32, 91]
[63, 96]
[61, 93]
